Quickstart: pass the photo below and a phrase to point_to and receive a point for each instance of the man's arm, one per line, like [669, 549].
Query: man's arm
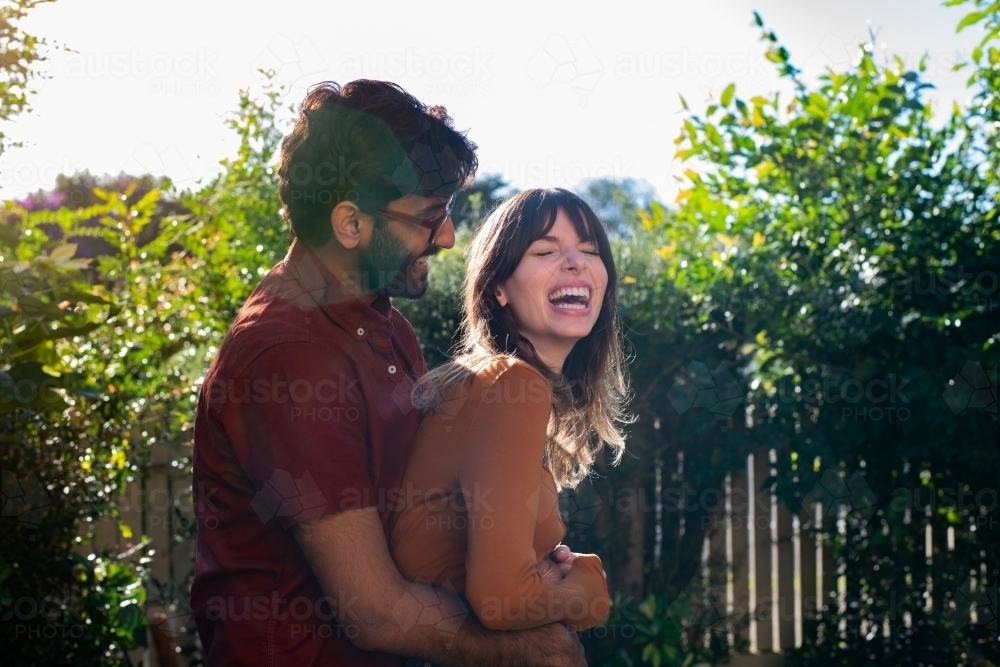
[349, 555]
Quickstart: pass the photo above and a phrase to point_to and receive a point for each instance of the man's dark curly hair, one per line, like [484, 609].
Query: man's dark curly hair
[369, 142]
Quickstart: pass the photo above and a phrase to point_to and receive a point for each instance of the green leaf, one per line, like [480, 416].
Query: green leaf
[727, 95]
[970, 19]
[63, 252]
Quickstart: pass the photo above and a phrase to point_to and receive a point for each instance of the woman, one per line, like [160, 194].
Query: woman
[533, 394]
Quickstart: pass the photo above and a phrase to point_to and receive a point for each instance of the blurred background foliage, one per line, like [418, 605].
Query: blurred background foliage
[839, 237]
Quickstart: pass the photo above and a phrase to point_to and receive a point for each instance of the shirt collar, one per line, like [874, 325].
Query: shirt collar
[350, 313]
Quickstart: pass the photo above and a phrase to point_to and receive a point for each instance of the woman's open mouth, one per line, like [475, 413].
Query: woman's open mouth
[571, 299]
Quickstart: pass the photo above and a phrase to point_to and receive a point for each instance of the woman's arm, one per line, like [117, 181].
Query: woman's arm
[501, 476]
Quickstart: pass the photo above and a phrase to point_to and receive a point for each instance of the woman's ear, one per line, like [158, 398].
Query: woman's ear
[346, 225]
[501, 294]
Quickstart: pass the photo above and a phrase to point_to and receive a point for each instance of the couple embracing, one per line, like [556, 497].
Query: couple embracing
[355, 508]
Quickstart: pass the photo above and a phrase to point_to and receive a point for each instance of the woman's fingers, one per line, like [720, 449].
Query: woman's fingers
[563, 554]
[550, 570]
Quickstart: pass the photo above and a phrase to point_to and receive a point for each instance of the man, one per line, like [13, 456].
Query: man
[304, 420]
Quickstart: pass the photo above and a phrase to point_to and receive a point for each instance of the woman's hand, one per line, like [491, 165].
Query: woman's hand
[557, 564]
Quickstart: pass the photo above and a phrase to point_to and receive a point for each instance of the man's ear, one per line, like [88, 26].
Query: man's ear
[345, 220]
[501, 294]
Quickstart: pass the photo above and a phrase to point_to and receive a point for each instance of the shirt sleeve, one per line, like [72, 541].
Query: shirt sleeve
[500, 478]
[298, 422]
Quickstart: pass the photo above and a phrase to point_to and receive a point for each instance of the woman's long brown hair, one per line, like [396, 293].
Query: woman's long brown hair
[589, 395]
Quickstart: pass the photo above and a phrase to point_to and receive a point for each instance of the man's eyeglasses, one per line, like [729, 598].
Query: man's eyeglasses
[433, 224]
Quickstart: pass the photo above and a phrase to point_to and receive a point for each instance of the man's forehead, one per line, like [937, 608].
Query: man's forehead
[420, 204]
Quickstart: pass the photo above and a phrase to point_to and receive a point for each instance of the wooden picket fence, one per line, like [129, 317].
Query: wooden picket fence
[768, 570]
[158, 506]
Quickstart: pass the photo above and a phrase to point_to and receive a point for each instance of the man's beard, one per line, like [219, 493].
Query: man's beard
[386, 267]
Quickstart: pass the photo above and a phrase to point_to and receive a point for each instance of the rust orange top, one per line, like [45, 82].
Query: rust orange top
[478, 510]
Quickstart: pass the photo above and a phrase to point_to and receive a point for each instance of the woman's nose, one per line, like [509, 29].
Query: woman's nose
[573, 259]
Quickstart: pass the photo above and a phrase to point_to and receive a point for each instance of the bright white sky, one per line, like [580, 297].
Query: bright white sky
[552, 92]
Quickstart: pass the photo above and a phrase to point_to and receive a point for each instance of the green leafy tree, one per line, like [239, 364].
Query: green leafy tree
[861, 245]
[20, 52]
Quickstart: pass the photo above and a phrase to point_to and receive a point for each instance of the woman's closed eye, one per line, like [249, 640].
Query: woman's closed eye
[546, 253]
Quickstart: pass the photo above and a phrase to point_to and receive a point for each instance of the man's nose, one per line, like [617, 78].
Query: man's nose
[446, 235]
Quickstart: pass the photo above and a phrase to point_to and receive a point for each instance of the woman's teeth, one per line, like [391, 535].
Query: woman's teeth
[570, 298]
[582, 292]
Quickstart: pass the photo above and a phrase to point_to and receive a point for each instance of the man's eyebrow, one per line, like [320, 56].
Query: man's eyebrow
[433, 207]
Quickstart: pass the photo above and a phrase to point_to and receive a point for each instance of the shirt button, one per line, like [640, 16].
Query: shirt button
[392, 369]
[361, 332]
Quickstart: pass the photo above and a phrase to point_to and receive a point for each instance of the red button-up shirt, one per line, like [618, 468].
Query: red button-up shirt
[304, 412]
